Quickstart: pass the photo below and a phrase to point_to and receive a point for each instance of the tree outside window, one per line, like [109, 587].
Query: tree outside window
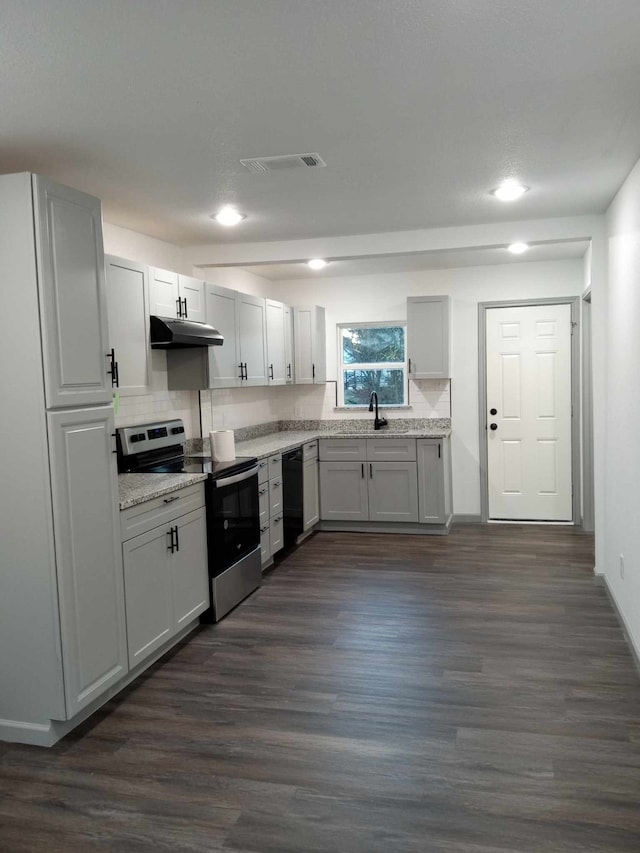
[372, 358]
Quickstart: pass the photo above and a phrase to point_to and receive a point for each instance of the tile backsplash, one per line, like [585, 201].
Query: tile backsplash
[235, 408]
[160, 403]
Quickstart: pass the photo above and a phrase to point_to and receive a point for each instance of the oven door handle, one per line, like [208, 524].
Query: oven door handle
[236, 478]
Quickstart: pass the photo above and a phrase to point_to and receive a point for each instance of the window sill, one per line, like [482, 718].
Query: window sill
[365, 408]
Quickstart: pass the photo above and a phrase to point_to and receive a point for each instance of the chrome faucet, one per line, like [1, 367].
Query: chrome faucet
[377, 422]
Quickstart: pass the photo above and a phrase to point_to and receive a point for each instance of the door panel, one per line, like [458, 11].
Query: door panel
[393, 491]
[193, 291]
[189, 569]
[253, 350]
[72, 296]
[224, 361]
[529, 384]
[343, 491]
[128, 304]
[88, 556]
[163, 293]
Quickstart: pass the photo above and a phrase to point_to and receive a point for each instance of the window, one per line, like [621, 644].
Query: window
[371, 357]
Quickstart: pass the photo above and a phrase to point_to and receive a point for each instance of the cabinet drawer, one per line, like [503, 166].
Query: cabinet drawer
[275, 467]
[276, 531]
[263, 470]
[145, 516]
[263, 503]
[343, 450]
[265, 543]
[391, 449]
[275, 497]
[309, 450]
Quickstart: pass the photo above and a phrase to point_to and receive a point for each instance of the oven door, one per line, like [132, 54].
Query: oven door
[233, 526]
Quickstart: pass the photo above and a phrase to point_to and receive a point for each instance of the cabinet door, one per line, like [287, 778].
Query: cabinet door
[192, 293]
[431, 481]
[276, 342]
[88, 555]
[73, 303]
[343, 491]
[310, 494]
[393, 491]
[310, 344]
[319, 346]
[148, 592]
[253, 349]
[189, 569]
[128, 310]
[302, 325]
[288, 345]
[222, 313]
[428, 337]
[164, 293]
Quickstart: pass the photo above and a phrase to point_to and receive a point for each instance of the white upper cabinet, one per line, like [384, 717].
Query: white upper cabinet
[191, 292]
[276, 343]
[428, 337]
[128, 311]
[288, 345]
[174, 295]
[71, 284]
[252, 332]
[163, 290]
[224, 361]
[88, 555]
[310, 345]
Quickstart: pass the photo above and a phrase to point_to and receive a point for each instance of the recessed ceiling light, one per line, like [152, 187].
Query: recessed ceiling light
[228, 215]
[518, 248]
[509, 190]
[317, 263]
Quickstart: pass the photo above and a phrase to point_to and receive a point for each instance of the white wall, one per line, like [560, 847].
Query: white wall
[621, 444]
[381, 298]
[161, 403]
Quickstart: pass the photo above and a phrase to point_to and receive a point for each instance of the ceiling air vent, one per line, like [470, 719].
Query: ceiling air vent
[287, 161]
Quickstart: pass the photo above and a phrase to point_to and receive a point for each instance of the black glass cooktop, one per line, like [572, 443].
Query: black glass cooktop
[205, 465]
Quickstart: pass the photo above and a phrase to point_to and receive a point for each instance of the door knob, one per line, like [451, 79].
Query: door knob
[493, 426]
[493, 411]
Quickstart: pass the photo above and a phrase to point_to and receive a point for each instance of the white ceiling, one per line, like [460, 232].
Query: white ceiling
[420, 261]
[419, 108]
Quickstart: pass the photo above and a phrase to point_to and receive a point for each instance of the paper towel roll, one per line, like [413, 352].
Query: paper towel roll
[223, 446]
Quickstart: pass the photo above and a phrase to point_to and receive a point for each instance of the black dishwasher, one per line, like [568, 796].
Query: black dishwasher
[292, 495]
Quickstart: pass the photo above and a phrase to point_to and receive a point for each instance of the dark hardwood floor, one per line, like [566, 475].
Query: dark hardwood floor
[378, 694]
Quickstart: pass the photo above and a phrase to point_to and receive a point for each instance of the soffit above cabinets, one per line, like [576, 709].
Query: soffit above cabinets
[418, 110]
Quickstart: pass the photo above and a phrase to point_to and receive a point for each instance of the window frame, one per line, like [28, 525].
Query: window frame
[372, 365]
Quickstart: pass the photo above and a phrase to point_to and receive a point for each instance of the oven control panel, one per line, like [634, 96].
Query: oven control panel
[144, 437]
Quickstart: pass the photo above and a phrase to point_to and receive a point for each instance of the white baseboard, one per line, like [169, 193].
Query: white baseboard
[634, 647]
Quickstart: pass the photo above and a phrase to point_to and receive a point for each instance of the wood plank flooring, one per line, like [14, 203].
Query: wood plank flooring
[378, 694]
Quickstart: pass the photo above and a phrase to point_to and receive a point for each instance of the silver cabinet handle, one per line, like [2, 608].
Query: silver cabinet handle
[276, 483]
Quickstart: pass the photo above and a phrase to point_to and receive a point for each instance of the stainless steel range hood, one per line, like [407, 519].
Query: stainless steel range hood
[171, 333]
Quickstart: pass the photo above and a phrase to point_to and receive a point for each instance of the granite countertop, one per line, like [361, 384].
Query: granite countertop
[137, 488]
[280, 442]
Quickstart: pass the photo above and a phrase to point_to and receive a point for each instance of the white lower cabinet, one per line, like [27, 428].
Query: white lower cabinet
[270, 491]
[166, 581]
[434, 481]
[393, 491]
[310, 494]
[385, 480]
[344, 493]
[85, 523]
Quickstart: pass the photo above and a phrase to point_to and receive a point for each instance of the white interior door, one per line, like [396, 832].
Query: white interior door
[529, 412]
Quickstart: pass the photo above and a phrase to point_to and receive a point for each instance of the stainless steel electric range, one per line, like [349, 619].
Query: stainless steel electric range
[231, 494]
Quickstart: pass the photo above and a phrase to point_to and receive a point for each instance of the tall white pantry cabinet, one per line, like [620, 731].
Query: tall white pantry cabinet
[62, 621]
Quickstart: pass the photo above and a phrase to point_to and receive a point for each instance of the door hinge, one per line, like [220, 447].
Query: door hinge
[573, 324]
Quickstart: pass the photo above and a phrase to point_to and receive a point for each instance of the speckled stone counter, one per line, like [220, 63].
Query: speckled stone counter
[280, 442]
[137, 488]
